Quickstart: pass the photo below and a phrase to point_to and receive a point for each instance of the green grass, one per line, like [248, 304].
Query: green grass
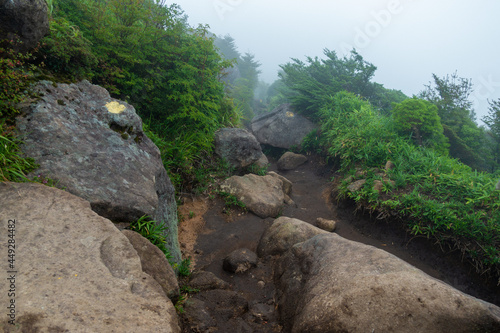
[433, 195]
[153, 231]
[13, 167]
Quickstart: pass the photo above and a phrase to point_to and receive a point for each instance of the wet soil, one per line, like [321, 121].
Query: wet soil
[212, 234]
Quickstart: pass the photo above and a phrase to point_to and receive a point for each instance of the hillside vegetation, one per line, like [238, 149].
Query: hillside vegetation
[178, 77]
[431, 193]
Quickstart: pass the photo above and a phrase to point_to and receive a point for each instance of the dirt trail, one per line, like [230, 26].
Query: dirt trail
[218, 234]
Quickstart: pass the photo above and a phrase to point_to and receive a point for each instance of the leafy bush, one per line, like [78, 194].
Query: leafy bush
[15, 75]
[419, 119]
[66, 52]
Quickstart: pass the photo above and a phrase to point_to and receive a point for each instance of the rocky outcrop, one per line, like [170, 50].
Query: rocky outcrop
[262, 195]
[284, 233]
[27, 19]
[282, 127]
[237, 146]
[290, 161]
[75, 271]
[330, 284]
[154, 263]
[94, 146]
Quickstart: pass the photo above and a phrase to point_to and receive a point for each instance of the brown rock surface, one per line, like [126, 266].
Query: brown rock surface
[76, 272]
[154, 263]
[290, 161]
[262, 195]
[284, 233]
[330, 284]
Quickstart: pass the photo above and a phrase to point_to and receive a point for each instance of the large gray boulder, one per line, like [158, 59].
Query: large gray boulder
[237, 146]
[94, 146]
[282, 127]
[74, 271]
[330, 284]
[27, 19]
[262, 195]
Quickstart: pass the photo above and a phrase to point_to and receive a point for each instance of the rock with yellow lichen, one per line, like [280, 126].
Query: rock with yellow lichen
[94, 146]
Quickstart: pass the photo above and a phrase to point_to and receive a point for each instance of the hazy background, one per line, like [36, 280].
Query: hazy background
[407, 40]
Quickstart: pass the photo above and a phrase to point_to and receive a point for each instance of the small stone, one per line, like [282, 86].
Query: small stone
[290, 161]
[261, 284]
[357, 185]
[240, 261]
[389, 166]
[328, 225]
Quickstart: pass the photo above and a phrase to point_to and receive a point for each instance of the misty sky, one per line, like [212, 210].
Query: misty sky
[407, 40]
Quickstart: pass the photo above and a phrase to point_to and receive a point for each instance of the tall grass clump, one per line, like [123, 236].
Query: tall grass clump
[13, 166]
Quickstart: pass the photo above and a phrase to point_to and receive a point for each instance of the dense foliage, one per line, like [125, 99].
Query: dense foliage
[15, 75]
[308, 84]
[431, 194]
[419, 119]
[492, 119]
[144, 52]
[468, 141]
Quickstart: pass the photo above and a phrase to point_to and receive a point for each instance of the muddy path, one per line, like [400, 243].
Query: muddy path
[212, 234]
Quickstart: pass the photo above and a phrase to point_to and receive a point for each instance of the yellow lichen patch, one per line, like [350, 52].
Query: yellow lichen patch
[115, 107]
[290, 114]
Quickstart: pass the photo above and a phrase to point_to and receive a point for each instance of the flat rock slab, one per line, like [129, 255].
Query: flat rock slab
[330, 284]
[262, 195]
[76, 272]
[207, 281]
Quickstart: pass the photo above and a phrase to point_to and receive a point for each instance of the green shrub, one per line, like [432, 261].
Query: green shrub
[419, 119]
[15, 76]
[66, 52]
